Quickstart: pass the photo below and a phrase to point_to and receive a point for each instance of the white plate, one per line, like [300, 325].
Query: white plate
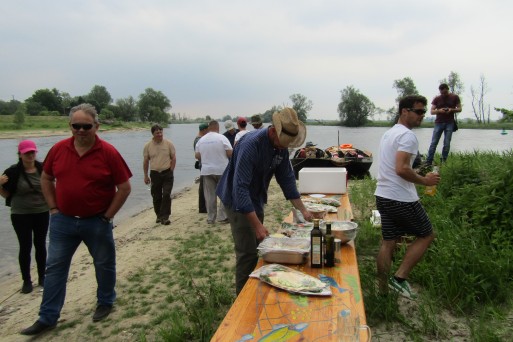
[317, 195]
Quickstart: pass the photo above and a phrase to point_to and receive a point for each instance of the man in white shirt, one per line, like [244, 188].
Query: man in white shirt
[241, 123]
[213, 150]
[396, 197]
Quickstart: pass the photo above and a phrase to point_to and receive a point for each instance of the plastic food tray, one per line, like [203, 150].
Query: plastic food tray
[284, 250]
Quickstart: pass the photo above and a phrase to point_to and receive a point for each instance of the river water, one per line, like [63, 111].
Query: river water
[130, 145]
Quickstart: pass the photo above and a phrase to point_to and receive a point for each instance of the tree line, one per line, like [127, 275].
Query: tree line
[354, 109]
[152, 105]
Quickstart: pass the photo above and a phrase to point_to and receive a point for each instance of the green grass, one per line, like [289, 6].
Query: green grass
[468, 270]
[49, 123]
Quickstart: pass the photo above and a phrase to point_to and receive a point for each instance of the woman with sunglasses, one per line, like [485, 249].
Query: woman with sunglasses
[20, 185]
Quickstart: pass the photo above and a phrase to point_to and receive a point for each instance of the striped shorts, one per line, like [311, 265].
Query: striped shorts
[402, 218]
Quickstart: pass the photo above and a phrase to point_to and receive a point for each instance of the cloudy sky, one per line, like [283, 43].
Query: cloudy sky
[240, 58]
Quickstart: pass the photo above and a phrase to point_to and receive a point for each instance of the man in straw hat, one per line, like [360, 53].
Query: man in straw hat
[243, 186]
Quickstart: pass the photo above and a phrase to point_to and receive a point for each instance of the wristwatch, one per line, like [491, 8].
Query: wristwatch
[106, 219]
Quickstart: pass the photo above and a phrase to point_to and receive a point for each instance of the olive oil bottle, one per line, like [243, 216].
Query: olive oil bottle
[329, 242]
[316, 257]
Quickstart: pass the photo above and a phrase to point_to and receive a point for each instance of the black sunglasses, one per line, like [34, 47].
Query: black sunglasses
[85, 127]
[417, 111]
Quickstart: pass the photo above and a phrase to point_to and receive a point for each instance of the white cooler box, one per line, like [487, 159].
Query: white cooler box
[322, 180]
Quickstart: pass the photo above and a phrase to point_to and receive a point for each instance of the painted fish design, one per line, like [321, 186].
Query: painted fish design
[332, 282]
[283, 332]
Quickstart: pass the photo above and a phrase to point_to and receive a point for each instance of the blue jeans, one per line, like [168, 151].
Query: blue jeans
[446, 129]
[66, 234]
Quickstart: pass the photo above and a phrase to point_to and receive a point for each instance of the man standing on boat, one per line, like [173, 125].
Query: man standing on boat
[444, 106]
[243, 187]
[397, 199]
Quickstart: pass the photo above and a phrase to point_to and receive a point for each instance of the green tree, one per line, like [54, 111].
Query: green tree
[19, 117]
[66, 101]
[354, 107]
[47, 99]
[152, 103]
[454, 82]
[99, 97]
[9, 107]
[34, 108]
[267, 116]
[106, 115]
[507, 114]
[405, 87]
[226, 118]
[127, 109]
[301, 105]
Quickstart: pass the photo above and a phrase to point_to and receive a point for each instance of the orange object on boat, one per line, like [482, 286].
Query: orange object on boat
[344, 146]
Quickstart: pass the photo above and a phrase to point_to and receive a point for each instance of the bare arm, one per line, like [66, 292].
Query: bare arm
[229, 153]
[456, 109]
[48, 188]
[123, 190]
[403, 169]
[260, 231]
[146, 165]
[172, 165]
[4, 193]
[298, 204]
[197, 155]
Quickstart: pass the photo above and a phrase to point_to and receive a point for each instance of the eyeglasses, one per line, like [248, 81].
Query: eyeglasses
[85, 127]
[417, 111]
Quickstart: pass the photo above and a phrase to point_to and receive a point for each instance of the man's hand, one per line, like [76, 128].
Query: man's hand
[431, 179]
[261, 232]
[147, 180]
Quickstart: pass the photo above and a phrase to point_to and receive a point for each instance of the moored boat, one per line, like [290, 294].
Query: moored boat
[357, 162]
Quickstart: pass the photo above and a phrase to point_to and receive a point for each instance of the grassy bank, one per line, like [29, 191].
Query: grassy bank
[465, 279]
[57, 123]
[464, 282]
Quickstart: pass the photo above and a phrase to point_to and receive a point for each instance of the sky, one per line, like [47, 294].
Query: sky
[239, 58]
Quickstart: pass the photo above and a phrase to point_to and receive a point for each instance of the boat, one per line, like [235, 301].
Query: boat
[357, 162]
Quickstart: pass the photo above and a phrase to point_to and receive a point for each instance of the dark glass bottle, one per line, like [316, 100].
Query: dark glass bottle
[329, 257]
[316, 259]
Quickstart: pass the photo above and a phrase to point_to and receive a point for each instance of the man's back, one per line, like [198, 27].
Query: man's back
[213, 147]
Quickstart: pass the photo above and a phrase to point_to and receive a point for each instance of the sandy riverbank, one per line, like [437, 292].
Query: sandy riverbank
[139, 243]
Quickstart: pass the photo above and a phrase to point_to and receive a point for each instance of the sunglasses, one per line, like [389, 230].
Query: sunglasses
[417, 111]
[85, 127]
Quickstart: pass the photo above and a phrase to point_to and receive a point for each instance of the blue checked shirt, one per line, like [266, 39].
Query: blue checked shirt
[243, 186]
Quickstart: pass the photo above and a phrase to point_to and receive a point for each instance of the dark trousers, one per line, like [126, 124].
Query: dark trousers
[26, 226]
[161, 187]
[246, 243]
[201, 198]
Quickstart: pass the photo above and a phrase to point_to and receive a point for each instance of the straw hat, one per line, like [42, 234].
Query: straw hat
[291, 131]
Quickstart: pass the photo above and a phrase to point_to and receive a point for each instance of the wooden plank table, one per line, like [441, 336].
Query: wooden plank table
[264, 313]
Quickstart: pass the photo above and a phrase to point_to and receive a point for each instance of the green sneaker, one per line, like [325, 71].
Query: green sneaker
[402, 289]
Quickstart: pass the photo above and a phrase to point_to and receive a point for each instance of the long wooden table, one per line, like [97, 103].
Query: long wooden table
[264, 313]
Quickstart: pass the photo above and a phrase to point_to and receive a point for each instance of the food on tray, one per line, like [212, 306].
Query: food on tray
[296, 230]
[277, 235]
[310, 206]
[293, 245]
[326, 201]
[291, 280]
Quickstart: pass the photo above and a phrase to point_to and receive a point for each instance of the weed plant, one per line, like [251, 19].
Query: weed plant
[468, 270]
